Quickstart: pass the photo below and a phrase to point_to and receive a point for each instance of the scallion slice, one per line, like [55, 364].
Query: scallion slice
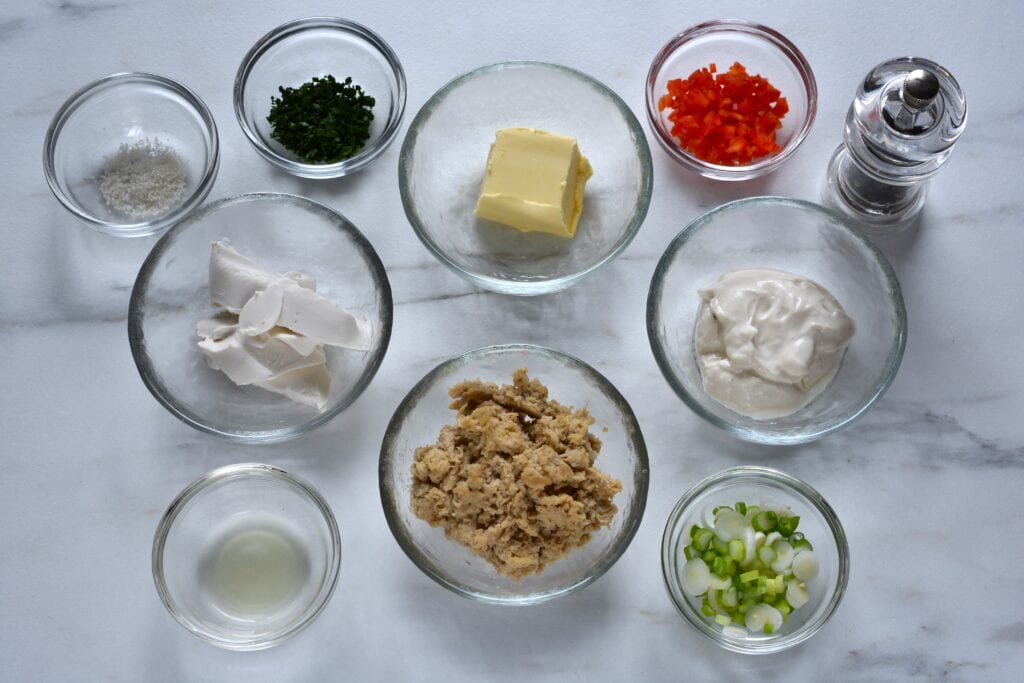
[695, 577]
[787, 525]
[765, 521]
[747, 565]
[783, 556]
[805, 565]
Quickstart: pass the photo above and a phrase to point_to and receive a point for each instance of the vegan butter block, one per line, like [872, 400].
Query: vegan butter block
[534, 181]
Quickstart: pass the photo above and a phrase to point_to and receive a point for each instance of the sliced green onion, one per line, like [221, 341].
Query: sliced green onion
[796, 594]
[749, 538]
[805, 565]
[783, 556]
[763, 615]
[765, 521]
[752, 511]
[787, 525]
[729, 524]
[695, 577]
[730, 597]
[720, 582]
[748, 565]
[702, 541]
[713, 601]
[801, 543]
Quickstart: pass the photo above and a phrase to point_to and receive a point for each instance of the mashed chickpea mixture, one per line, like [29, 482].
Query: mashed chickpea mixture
[514, 478]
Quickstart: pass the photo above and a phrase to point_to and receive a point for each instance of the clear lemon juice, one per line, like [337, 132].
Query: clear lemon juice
[255, 571]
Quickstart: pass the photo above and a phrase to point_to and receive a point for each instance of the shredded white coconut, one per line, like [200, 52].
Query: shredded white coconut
[143, 179]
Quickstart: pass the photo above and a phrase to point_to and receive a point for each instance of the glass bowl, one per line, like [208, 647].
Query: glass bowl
[801, 238]
[571, 382]
[246, 556]
[444, 156]
[295, 52]
[769, 489]
[128, 109]
[762, 51]
[282, 233]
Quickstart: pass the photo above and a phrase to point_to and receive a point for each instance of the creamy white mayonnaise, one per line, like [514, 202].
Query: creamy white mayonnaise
[768, 341]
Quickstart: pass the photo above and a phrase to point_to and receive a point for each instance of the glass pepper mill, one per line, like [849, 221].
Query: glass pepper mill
[900, 129]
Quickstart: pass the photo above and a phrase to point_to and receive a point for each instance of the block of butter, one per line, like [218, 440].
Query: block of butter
[534, 181]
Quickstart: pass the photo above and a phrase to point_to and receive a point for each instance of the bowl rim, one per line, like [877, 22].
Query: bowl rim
[120, 79]
[661, 355]
[641, 473]
[800, 489]
[532, 287]
[247, 470]
[365, 155]
[765, 164]
[137, 342]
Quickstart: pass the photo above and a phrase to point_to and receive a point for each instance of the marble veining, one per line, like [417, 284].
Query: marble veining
[928, 484]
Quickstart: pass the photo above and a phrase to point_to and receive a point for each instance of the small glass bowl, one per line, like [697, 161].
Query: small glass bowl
[295, 52]
[125, 109]
[762, 51]
[774, 490]
[281, 532]
[571, 382]
[800, 238]
[280, 232]
[444, 157]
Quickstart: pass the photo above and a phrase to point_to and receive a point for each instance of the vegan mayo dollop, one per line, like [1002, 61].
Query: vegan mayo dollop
[768, 341]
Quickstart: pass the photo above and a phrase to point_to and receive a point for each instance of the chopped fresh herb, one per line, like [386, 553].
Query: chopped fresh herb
[322, 121]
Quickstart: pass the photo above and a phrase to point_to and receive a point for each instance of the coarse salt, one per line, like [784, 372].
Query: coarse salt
[142, 179]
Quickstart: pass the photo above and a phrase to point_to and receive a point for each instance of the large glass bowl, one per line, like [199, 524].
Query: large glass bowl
[280, 528]
[128, 109]
[801, 238]
[444, 156]
[282, 233]
[762, 51]
[295, 52]
[423, 412]
[768, 489]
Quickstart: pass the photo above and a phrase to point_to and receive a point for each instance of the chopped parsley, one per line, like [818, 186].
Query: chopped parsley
[322, 121]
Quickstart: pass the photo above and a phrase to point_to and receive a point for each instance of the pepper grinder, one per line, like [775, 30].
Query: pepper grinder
[900, 129]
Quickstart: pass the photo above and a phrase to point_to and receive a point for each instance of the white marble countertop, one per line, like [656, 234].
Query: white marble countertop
[928, 485]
